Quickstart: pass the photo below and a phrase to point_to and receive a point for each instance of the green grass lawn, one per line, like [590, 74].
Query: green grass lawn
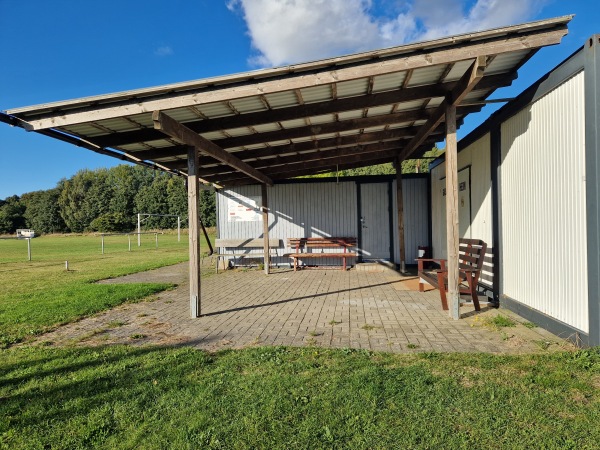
[306, 398]
[40, 294]
[310, 398]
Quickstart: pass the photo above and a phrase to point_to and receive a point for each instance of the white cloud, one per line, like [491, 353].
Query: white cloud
[163, 50]
[297, 30]
[288, 31]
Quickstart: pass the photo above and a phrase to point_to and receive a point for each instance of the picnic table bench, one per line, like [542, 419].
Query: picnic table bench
[237, 249]
[470, 256]
[306, 244]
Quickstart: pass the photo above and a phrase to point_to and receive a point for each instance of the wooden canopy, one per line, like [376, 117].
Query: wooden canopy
[303, 119]
[358, 110]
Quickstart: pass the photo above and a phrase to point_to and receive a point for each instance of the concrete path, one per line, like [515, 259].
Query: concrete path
[328, 308]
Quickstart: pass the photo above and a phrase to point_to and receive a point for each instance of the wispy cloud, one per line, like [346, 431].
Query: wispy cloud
[288, 31]
[163, 50]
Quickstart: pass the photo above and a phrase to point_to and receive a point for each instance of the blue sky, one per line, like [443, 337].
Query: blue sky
[63, 49]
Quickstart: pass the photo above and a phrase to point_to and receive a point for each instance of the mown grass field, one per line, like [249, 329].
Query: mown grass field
[40, 294]
[296, 398]
[124, 397]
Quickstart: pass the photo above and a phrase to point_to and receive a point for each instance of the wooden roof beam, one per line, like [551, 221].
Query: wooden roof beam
[304, 172]
[302, 111]
[181, 150]
[465, 85]
[491, 43]
[186, 136]
[325, 163]
[311, 167]
[283, 114]
[324, 144]
[324, 128]
[334, 127]
[267, 164]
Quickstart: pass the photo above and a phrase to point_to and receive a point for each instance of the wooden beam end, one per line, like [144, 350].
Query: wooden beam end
[157, 117]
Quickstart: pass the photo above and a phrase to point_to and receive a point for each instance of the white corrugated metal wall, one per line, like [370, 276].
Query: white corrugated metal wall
[416, 217]
[296, 210]
[324, 209]
[477, 157]
[543, 202]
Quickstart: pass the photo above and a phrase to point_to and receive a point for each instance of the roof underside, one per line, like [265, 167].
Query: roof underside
[306, 119]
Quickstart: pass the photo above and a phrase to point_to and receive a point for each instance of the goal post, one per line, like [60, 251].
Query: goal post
[147, 216]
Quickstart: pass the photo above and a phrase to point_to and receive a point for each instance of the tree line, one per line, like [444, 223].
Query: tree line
[108, 200]
[105, 200]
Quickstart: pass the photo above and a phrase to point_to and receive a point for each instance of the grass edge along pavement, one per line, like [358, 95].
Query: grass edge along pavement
[39, 295]
[278, 397]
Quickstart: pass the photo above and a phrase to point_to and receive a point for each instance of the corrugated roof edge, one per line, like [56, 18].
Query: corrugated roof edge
[508, 110]
[319, 64]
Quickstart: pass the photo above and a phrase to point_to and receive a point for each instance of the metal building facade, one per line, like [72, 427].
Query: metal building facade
[543, 204]
[333, 208]
[417, 211]
[535, 188]
[475, 219]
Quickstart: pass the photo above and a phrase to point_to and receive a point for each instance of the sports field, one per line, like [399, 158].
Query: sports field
[40, 294]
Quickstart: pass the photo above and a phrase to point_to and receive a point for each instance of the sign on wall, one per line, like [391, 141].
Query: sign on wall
[243, 209]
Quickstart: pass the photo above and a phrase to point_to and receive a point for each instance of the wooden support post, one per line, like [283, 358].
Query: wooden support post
[139, 228]
[452, 211]
[194, 236]
[400, 209]
[265, 215]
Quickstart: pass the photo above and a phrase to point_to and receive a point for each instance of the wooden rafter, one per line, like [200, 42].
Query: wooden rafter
[298, 112]
[263, 164]
[184, 135]
[301, 167]
[324, 128]
[314, 146]
[465, 85]
[313, 171]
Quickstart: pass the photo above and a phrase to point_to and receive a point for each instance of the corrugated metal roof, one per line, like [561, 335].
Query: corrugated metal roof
[289, 110]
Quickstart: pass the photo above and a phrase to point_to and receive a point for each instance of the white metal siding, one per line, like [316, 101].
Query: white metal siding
[325, 209]
[375, 213]
[296, 210]
[542, 194]
[477, 156]
[416, 217]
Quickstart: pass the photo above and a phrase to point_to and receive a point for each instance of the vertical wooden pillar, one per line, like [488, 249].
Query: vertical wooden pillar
[452, 211]
[194, 236]
[400, 209]
[265, 215]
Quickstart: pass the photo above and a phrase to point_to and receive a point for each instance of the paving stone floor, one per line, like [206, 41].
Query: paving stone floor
[328, 308]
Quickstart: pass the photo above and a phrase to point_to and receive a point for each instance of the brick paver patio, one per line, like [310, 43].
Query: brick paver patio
[328, 308]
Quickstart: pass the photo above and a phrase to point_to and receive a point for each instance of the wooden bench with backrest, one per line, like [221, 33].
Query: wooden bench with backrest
[471, 256]
[239, 249]
[314, 243]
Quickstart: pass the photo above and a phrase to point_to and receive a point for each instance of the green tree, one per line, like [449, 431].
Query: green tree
[208, 208]
[84, 197]
[420, 165]
[11, 215]
[177, 197]
[111, 222]
[42, 211]
[126, 181]
[154, 199]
